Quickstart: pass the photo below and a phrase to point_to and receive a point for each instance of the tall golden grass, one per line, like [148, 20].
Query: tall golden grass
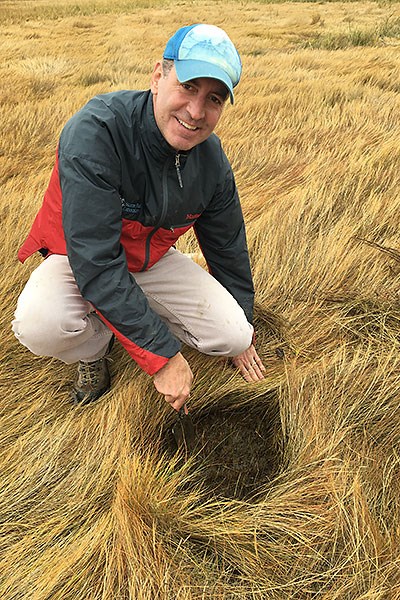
[93, 504]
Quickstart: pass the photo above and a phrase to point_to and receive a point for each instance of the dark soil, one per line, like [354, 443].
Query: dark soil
[235, 452]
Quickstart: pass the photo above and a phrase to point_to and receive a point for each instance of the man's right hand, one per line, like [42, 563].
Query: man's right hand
[174, 380]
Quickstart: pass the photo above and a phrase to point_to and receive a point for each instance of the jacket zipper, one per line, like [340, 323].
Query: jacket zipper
[178, 169]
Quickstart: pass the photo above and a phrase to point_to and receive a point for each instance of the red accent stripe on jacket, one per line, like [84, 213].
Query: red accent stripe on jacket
[47, 230]
[149, 362]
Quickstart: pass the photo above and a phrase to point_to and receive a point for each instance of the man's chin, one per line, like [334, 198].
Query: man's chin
[182, 147]
[185, 143]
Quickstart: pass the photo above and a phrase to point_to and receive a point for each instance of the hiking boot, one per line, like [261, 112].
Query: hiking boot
[92, 379]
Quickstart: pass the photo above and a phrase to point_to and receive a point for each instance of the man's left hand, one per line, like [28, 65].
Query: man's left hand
[249, 364]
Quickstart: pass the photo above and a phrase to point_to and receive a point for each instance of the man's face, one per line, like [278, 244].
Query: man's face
[186, 113]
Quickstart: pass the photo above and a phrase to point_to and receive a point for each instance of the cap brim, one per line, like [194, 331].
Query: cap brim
[193, 69]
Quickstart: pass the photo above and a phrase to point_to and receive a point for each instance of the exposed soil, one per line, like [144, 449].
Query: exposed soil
[235, 452]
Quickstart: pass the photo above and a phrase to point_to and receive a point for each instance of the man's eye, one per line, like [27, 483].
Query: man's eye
[186, 86]
[216, 100]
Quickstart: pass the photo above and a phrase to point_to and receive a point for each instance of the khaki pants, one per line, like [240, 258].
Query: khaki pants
[52, 318]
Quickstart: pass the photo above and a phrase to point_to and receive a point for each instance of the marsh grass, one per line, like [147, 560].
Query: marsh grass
[94, 505]
[388, 31]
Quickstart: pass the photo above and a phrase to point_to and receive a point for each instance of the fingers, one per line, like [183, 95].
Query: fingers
[258, 364]
[252, 371]
[179, 399]
[174, 381]
[250, 365]
[177, 404]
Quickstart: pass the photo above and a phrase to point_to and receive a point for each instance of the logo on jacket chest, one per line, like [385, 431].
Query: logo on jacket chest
[192, 216]
[130, 208]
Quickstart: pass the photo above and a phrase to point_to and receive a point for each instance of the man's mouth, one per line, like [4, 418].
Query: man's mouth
[186, 125]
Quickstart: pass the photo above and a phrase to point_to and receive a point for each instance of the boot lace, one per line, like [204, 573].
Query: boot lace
[89, 372]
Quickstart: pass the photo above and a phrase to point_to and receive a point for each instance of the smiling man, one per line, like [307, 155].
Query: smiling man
[134, 171]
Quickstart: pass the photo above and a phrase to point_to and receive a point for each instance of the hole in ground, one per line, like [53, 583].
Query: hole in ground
[236, 451]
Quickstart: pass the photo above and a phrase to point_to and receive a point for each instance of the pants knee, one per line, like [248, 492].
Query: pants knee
[230, 344]
[40, 339]
[68, 339]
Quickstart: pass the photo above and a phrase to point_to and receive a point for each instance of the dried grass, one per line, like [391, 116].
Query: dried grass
[92, 505]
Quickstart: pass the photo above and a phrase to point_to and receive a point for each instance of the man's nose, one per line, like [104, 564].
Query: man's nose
[196, 108]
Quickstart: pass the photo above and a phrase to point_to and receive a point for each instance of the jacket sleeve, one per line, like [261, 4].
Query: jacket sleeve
[92, 221]
[221, 234]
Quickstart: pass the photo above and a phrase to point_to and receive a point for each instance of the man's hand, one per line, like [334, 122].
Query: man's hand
[249, 364]
[174, 380]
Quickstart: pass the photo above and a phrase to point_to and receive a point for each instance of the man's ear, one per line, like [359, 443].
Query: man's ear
[156, 76]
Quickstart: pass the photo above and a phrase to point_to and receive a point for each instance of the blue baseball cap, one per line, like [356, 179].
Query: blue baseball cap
[204, 51]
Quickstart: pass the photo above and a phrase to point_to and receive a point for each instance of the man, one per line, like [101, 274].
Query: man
[134, 171]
